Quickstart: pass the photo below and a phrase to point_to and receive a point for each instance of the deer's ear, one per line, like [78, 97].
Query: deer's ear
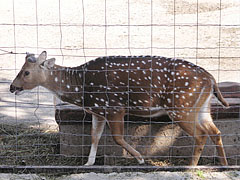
[48, 64]
[42, 57]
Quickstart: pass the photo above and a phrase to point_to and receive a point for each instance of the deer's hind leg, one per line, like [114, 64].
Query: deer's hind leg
[206, 122]
[201, 126]
[191, 122]
[216, 138]
[199, 136]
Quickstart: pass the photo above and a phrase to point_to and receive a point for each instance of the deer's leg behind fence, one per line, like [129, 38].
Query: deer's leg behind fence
[116, 124]
[98, 124]
[200, 136]
[216, 138]
[199, 124]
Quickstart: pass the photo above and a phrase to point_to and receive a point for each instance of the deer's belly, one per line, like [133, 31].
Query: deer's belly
[151, 112]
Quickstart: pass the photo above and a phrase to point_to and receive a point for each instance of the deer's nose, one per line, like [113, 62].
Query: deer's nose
[12, 88]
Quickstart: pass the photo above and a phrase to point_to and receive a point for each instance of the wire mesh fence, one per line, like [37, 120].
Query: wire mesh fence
[38, 129]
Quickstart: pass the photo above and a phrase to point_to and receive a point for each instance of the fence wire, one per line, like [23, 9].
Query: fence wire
[37, 129]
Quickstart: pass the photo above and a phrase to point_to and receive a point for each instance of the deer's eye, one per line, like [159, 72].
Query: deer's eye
[26, 73]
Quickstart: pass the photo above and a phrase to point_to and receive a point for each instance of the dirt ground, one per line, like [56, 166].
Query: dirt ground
[76, 31]
[194, 175]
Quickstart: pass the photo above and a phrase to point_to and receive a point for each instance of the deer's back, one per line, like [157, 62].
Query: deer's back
[142, 84]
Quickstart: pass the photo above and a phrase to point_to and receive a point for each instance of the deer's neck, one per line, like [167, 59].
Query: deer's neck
[66, 83]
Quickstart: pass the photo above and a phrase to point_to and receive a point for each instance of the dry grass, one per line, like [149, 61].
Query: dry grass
[27, 146]
[21, 145]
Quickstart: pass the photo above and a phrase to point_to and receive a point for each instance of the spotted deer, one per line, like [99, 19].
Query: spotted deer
[145, 86]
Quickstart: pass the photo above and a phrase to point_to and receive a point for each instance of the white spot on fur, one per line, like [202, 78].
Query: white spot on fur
[169, 100]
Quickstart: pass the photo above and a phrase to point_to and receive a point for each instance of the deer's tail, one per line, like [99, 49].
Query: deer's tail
[218, 94]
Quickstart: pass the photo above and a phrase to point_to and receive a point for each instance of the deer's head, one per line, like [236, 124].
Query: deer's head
[33, 73]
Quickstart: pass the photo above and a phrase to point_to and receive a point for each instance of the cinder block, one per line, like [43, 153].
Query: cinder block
[151, 140]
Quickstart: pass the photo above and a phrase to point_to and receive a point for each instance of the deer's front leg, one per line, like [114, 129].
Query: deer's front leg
[116, 124]
[96, 133]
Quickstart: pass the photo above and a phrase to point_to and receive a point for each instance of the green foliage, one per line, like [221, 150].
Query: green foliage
[200, 174]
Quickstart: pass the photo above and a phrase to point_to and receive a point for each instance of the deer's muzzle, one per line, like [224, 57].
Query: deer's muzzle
[15, 89]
